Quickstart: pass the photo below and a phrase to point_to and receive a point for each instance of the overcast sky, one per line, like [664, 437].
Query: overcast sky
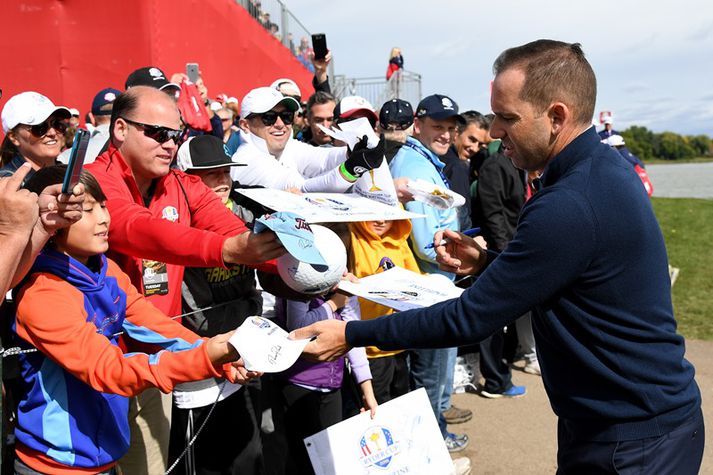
[653, 59]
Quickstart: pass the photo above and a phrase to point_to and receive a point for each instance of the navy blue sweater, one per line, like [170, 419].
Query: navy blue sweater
[589, 257]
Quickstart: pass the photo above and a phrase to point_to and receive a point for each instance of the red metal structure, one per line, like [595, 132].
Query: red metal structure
[70, 49]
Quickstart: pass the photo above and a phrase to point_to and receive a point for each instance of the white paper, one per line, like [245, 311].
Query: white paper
[265, 347]
[350, 132]
[378, 185]
[327, 207]
[433, 195]
[203, 393]
[403, 438]
[403, 289]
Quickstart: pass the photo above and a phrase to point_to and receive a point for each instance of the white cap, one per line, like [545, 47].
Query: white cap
[263, 99]
[615, 141]
[215, 106]
[30, 108]
[231, 100]
[286, 86]
[74, 112]
[608, 120]
[351, 104]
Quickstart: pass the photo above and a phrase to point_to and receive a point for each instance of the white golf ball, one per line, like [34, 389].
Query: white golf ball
[316, 279]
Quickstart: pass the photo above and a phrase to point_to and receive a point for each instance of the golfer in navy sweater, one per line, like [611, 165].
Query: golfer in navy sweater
[589, 258]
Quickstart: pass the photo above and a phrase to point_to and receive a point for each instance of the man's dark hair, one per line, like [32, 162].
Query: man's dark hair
[472, 117]
[319, 97]
[123, 106]
[554, 71]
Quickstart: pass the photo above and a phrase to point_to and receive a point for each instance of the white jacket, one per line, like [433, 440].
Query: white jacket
[303, 166]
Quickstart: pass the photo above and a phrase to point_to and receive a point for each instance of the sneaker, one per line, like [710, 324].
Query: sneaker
[461, 466]
[533, 367]
[514, 391]
[456, 443]
[456, 415]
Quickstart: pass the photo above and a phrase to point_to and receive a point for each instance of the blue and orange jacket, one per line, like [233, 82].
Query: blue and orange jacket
[73, 411]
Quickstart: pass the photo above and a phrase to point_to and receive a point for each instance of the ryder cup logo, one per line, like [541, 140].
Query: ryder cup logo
[170, 213]
[378, 447]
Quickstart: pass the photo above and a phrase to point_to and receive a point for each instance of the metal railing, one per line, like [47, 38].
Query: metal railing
[281, 23]
[403, 84]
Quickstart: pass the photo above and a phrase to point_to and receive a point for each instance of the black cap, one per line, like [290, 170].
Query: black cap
[149, 76]
[438, 107]
[396, 114]
[203, 152]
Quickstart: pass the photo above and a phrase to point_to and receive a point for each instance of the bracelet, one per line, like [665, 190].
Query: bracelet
[346, 174]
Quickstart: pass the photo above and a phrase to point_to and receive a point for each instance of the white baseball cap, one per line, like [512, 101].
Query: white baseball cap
[263, 99]
[29, 108]
[286, 86]
[615, 141]
[350, 105]
[608, 120]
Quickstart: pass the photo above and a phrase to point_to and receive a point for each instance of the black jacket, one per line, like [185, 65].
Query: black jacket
[499, 199]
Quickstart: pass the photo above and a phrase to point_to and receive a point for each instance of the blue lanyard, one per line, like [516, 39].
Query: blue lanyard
[430, 160]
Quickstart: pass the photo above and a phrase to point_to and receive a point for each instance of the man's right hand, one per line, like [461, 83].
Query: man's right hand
[460, 255]
[250, 248]
[19, 210]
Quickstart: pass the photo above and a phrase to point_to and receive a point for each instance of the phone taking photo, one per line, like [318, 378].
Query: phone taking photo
[192, 72]
[319, 45]
[76, 160]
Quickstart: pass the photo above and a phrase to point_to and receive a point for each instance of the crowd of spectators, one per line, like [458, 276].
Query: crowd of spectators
[156, 231]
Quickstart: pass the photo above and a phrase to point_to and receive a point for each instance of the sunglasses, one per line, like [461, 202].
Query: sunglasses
[158, 133]
[270, 117]
[40, 130]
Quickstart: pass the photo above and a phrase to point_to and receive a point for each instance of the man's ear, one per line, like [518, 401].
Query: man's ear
[560, 115]
[416, 125]
[244, 125]
[119, 132]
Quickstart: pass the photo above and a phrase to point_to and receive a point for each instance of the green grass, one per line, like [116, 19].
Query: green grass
[687, 226]
[661, 161]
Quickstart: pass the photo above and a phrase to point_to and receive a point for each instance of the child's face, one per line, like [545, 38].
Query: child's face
[379, 227]
[218, 180]
[90, 235]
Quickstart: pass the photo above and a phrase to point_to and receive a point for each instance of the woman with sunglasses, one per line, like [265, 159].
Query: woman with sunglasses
[34, 129]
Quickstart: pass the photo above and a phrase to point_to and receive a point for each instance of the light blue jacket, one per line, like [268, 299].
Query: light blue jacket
[417, 162]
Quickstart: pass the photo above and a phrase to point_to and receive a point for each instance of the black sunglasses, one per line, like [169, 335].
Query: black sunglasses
[158, 133]
[270, 117]
[40, 130]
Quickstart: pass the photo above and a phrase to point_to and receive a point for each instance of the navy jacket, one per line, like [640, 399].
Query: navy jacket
[589, 257]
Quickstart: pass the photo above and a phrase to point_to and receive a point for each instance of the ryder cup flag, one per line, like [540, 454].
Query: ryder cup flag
[403, 438]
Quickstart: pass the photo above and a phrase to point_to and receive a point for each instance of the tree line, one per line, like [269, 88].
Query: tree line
[666, 145]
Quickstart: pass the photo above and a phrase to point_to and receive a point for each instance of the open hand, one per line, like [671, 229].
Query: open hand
[331, 341]
[60, 210]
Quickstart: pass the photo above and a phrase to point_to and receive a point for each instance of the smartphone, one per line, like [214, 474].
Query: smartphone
[319, 45]
[192, 72]
[76, 160]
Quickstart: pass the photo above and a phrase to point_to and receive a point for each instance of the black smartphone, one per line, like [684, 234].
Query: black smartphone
[76, 160]
[319, 45]
[192, 72]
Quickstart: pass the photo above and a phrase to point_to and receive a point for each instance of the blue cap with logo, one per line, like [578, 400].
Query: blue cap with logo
[438, 107]
[104, 97]
[294, 233]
